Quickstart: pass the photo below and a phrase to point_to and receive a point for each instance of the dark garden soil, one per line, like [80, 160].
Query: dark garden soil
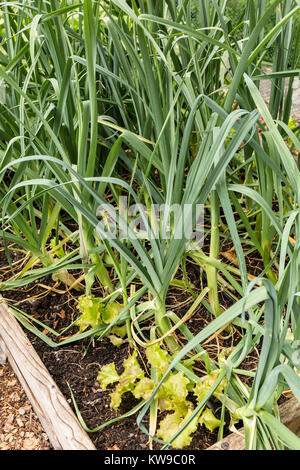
[77, 364]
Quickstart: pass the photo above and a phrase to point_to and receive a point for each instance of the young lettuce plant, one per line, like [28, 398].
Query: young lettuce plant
[172, 396]
[96, 312]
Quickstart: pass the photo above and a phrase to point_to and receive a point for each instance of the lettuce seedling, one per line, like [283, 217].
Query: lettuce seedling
[59, 252]
[94, 312]
[172, 396]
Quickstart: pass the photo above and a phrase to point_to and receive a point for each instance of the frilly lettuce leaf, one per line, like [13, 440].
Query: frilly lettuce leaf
[132, 369]
[170, 425]
[116, 340]
[59, 252]
[91, 309]
[176, 387]
[95, 312]
[120, 331]
[158, 357]
[202, 387]
[144, 388]
[111, 311]
[116, 395]
[132, 372]
[209, 420]
[172, 394]
[108, 375]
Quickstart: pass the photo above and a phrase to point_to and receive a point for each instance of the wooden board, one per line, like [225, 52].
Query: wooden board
[3, 355]
[290, 416]
[51, 407]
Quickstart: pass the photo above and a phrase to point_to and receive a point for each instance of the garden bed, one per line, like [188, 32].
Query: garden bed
[76, 365]
[76, 368]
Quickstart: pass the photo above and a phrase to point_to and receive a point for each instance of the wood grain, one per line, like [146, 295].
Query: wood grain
[51, 407]
[290, 416]
[3, 355]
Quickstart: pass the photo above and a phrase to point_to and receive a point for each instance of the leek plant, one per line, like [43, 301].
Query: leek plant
[54, 111]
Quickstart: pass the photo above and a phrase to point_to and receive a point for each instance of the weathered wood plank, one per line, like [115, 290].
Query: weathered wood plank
[3, 355]
[51, 407]
[290, 416]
